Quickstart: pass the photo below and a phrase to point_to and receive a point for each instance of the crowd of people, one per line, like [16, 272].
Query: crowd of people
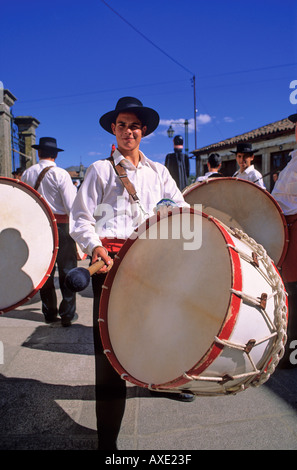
[144, 187]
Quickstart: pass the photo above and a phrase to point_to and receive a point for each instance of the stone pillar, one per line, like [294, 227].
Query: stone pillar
[27, 126]
[266, 169]
[7, 100]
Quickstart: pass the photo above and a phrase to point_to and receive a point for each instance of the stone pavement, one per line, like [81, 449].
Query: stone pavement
[47, 397]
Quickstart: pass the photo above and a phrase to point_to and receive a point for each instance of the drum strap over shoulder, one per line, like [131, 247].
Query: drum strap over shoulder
[41, 176]
[120, 171]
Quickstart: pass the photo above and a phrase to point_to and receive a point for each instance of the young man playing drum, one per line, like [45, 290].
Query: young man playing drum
[103, 216]
[284, 192]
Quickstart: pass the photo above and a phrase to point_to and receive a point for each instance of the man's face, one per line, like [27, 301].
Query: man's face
[244, 160]
[128, 130]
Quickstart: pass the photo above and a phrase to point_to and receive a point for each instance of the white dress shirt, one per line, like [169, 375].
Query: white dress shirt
[103, 207]
[205, 177]
[285, 188]
[56, 187]
[251, 174]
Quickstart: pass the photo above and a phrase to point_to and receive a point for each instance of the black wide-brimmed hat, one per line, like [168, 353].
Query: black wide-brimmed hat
[293, 118]
[47, 143]
[148, 116]
[244, 147]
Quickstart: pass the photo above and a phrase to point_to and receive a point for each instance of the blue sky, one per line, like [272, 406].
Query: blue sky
[68, 62]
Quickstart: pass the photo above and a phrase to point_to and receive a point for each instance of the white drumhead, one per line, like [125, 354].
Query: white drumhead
[28, 243]
[165, 304]
[244, 205]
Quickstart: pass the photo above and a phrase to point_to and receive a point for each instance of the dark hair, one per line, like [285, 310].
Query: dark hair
[214, 160]
[48, 153]
[137, 114]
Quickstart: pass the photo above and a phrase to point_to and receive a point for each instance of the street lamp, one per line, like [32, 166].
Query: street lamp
[170, 131]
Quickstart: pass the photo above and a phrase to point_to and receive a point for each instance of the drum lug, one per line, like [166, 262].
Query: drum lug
[255, 259]
[263, 301]
[226, 378]
[249, 345]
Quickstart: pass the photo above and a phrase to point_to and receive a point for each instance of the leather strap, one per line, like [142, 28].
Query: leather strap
[121, 172]
[41, 176]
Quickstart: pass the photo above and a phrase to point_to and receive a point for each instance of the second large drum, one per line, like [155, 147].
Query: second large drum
[244, 205]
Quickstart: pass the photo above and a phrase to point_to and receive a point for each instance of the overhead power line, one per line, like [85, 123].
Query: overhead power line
[167, 55]
[147, 39]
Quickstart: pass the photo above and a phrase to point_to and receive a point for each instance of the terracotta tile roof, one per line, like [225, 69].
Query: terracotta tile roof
[73, 174]
[269, 131]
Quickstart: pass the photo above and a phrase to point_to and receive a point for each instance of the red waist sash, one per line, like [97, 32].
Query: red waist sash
[62, 218]
[113, 245]
[289, 266]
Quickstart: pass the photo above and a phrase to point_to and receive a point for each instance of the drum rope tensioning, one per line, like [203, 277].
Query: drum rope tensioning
[278, 328]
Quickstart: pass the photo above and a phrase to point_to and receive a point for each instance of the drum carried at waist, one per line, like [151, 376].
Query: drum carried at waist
[208, 315]
[244, 205]
[28, 243]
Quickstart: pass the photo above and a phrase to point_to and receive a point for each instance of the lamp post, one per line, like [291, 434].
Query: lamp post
[170, 133]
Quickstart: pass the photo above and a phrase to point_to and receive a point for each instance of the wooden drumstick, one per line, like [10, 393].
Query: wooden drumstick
[78, 278]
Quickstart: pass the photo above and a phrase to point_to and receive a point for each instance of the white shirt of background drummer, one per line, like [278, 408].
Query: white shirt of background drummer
[56, 187]
[251, 174]
[285, 189]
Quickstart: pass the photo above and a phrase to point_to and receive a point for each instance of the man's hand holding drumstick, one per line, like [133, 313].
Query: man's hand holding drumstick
[101, 252]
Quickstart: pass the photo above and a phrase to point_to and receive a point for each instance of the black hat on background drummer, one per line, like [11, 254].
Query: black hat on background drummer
[148, 116]
[47, 143]
[178, 140]
[293, 118]
[244, 147]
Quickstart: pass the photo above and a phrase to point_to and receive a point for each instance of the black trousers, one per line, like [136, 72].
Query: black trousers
[110, 388]
[66, 260]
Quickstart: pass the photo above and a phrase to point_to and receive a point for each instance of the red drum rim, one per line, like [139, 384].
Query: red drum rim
[227, 324]
[29, 190]
[208, 181]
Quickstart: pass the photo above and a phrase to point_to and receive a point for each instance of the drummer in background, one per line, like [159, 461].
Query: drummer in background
[103, 216]
[284, 192]
[244, 158]
[178, 163]
[214, 163]
[56, 187]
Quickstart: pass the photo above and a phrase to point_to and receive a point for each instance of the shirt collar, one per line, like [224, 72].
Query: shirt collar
[118, 158]
[45, 162]
[249, 169]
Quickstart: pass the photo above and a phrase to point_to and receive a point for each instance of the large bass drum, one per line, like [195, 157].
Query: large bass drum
[28, 243]
[208, 317]
[241, 204]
